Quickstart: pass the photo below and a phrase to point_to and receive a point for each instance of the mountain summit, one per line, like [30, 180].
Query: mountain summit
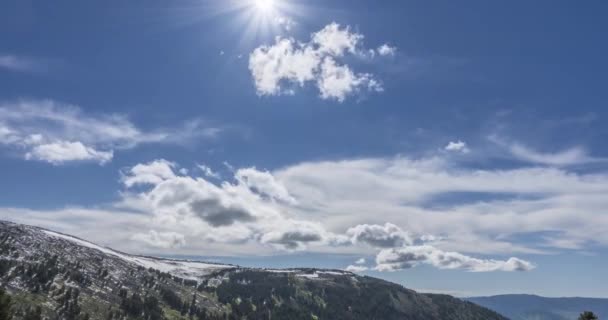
[57, 276]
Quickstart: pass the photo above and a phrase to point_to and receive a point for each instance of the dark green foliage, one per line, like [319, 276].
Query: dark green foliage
[39, 276]
[5, 305]
[260, 295]
[588, 315]
[5, 266]
[69, 306]
[147, 308]
[133, 306]
[171, 298]
[152, 310]
[34, 313]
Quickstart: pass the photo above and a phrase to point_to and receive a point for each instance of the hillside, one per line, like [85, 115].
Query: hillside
[531, 307]
[51, 275]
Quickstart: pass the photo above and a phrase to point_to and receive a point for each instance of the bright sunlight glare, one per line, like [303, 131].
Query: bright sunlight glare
[264, 5]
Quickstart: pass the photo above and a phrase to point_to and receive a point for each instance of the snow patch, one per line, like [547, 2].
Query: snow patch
[191, 270]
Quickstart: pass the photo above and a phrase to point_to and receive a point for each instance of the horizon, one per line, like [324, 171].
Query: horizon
[447, 148]
[249, 263]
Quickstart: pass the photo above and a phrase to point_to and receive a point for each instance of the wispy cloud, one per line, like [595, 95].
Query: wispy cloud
[408, 257]
[57, 133]
[18, 64]
[568, 157]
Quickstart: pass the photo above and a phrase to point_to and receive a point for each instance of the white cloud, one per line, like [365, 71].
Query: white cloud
[151, 173]
[166, 240]
[457, 146]
[285, 61]
[263, 182]
[356, 268]
[366, 205]
[386, 50]
[569, 157]
[294, 235]
[573, 156]
[64, 151]
[247, 211]
[336, 41]
[402, 191]
[15, 63]
[382, 236]
[285, 23]
[337, 82]
[57, 133]
[208, 172]
[230, 213]
[288, 64]
[242, 215]
[395, 259]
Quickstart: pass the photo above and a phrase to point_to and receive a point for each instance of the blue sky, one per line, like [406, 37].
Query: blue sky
[455, 148]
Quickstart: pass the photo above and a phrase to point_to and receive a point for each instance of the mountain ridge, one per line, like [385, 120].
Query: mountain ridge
[535, 307]
[56, 276]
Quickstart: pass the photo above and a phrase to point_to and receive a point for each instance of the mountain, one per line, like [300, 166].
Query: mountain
[55, 276]
[530, 307]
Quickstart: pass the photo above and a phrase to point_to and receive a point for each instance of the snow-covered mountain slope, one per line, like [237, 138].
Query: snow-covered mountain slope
[193, 270]
[56, 276]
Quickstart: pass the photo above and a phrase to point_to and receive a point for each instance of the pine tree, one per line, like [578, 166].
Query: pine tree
[33, 314]
[588, 315]
[5, 305]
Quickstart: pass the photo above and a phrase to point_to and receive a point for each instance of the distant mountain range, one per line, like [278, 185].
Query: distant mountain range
[531, 307]
[49, 275]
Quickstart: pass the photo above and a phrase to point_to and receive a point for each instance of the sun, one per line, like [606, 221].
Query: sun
[264, 5]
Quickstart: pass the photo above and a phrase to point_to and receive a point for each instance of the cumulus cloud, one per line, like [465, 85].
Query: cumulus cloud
[263, 182]
[217, 214]
[63, 151]
[245, 210]
[336, 82]
[151, 173]
[296, 236]
[57, 133]
[166, 240]
[243, 214]
[487, 211]
[336, 41]
[386, 50]
[382, 236]
[344, 206]
[457, 146]
[287, 64]
[395, 259]
[356, 268]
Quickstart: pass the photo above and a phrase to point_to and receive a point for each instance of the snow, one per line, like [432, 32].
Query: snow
[279, 270]
[192, 270]
[335, 273]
